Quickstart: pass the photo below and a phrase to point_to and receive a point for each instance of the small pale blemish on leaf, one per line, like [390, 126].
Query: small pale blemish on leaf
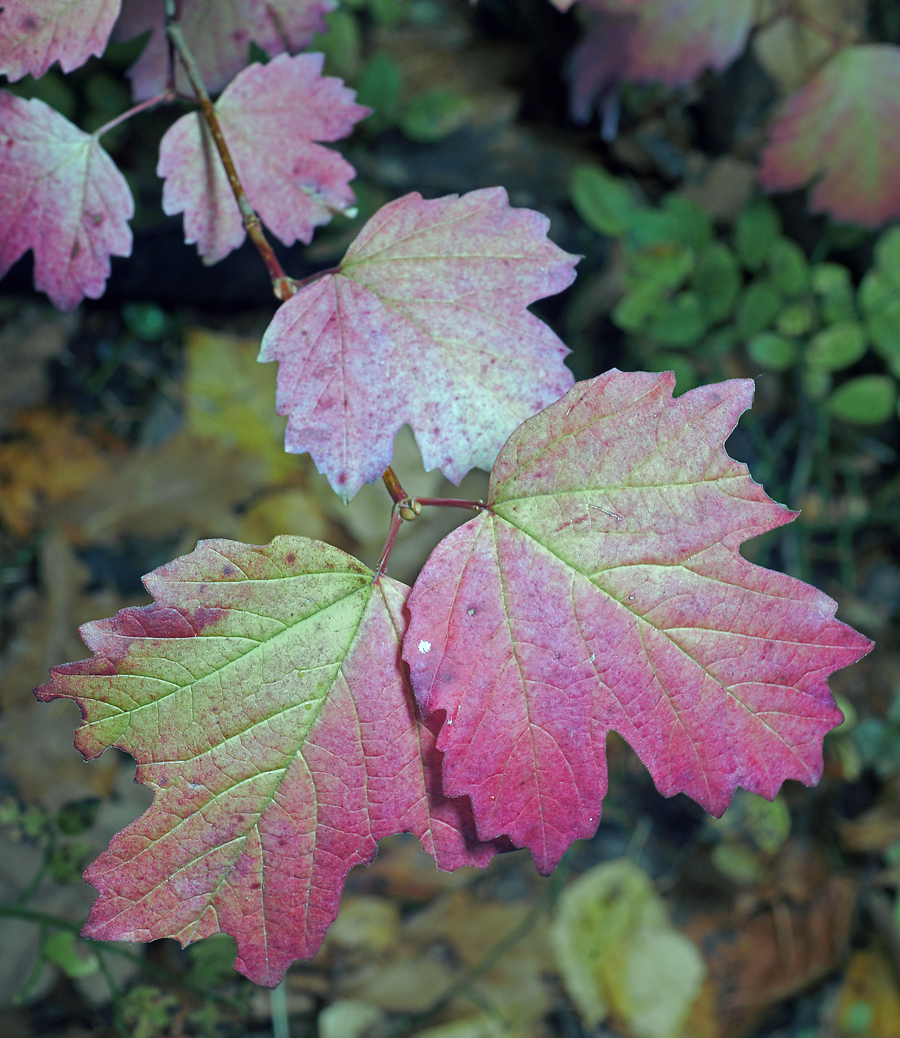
[424, 646]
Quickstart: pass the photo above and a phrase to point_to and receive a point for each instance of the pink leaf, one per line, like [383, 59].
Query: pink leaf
[669, 41]
[271, 115]
[62, 196]
[263, 698]
[598, 64]
[603, 589]
[34, 35]
[425, 323]
[219, 33]
[843, 127]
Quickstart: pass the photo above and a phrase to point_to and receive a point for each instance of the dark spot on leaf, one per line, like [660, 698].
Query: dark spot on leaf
[29, 23]
[228, 571]
[76, 248]
[290, 558]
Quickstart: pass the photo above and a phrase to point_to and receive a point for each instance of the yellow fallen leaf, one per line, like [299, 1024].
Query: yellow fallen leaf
[230, 398]
[618, 954]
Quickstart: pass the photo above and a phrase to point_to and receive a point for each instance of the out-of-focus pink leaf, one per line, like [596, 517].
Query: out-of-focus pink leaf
[263, 697]
[675, 40]
[669, 41]
[219, 33]
[35, 34]
[425, 323]
[603, 589]
[843, 127]
[62, 196]
[271, 116]
[598, 64]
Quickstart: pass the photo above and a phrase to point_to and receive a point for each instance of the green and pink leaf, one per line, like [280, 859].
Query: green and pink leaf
[263, 698]
[603, 590]
[841, 130]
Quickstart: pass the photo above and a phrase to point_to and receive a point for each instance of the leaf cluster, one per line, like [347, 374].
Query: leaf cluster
[289, 706]
[691, 295]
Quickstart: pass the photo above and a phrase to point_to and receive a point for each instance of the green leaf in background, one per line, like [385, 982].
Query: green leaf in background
[788, 267]
[716, 280]
[867, 400]
[77, 816]
[692, 226]
[387, 13]
[52, 88]
[879, 301]
[756, 230]
[433, 115]
[875, 292]
[680, 321]
[60, 948]
[767, 821]
[772, 351]
[680, 365]
[665, 266]
[887, 255]
[341, 44]
[833, 286]
[654, 227]
[145, 321]
[884, 328]
[757, 308]
[379, 88]
[638, 306]
[817, 382]
[604, 202]
[837, 346]
[796, 318]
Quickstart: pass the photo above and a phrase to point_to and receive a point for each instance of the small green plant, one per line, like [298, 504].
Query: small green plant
[692, 295]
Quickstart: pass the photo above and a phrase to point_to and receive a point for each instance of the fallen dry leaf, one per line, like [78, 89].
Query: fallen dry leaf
[45, 461]
[33, 334]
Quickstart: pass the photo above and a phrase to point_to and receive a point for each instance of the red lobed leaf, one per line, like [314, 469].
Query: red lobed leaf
[219, 33]
[34, 35]
[603, 589]
[263, 698]
[62, 196]
[425, 323]
[843, 127]
[271, 116]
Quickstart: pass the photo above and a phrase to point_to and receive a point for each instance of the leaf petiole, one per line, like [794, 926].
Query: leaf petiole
[450, 502]
[164, 98]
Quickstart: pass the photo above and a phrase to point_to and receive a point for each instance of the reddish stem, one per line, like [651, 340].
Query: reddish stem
[396, 523]
[398, 494]
[451, 502]
[166, 95]
[282, 285]
[409, 508]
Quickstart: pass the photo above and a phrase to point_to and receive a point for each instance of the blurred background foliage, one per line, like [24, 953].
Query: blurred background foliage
[142, 422]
